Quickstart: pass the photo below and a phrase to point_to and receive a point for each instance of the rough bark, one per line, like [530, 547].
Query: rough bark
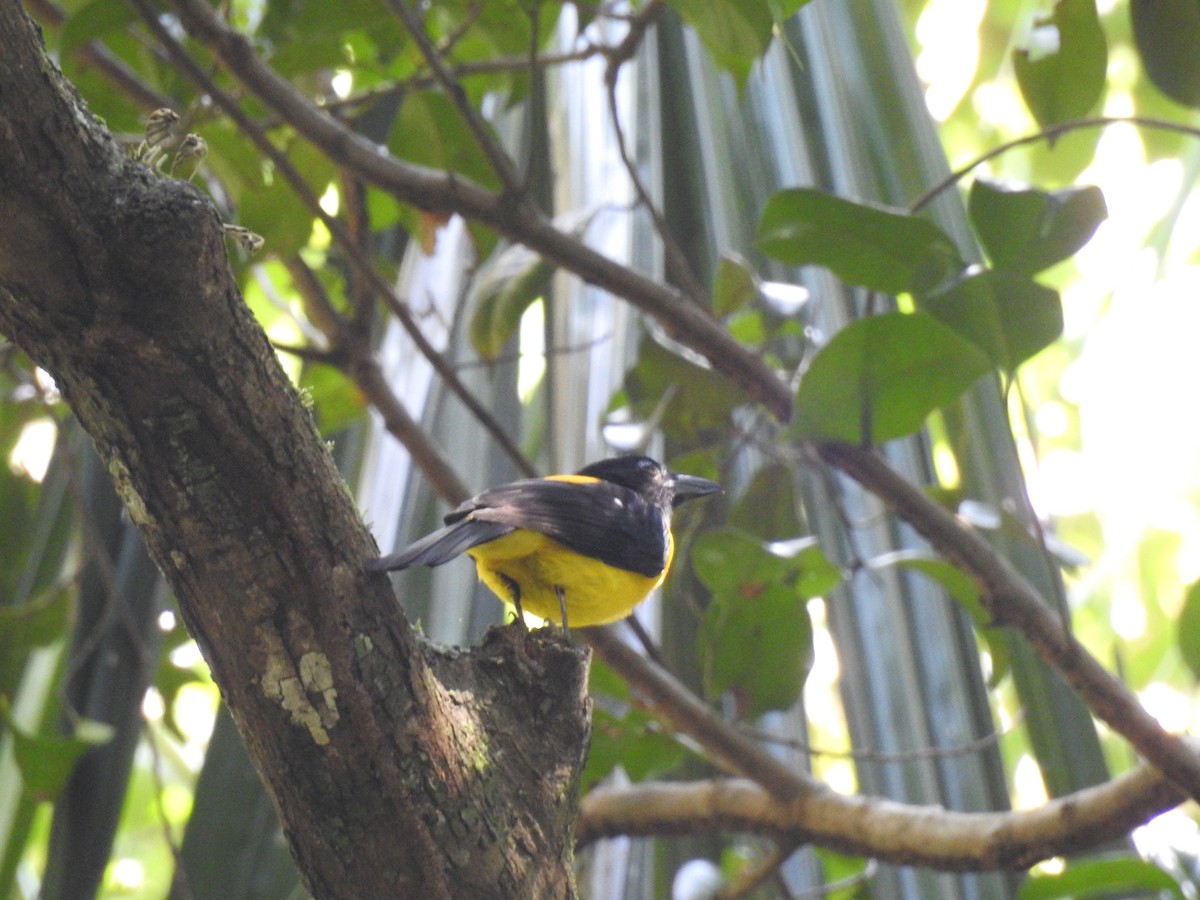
[398, 768]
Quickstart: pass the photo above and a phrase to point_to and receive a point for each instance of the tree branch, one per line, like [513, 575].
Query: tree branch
[883, 829]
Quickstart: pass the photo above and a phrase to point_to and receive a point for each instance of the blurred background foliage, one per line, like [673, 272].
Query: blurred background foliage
[119, 773]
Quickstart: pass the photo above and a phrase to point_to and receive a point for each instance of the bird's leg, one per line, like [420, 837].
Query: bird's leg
[514, 591]
[562, 606]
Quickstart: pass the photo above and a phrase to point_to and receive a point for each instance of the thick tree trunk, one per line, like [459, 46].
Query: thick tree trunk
[398, 768]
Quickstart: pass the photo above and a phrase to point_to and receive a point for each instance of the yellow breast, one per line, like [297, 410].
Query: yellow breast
[595, 593]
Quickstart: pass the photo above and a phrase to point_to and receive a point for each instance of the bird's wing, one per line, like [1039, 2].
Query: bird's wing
[442, 545]
[596, 518]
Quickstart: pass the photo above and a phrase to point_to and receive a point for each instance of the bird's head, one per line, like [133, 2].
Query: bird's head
[651, 479]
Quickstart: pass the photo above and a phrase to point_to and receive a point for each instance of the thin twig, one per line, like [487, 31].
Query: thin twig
[500, 161]
[1049, 134]
[904, 756]
[425, 455]
[678, 266]
[458, 71]
[639, 24]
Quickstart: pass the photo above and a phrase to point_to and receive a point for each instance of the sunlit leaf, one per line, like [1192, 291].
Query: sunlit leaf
[736, 32]
[1188, 628]
[1064, 77]
[46, 761]
[748, 327]
[1167, 36]
[265, 202]
[1026, 230]
[735, 285]
[430, 131]
[883, 249]
[93, 21]
[1125, 877]
[513, 280]
[36, 623]
[879, 378]
[1006, 315]
[336, 401]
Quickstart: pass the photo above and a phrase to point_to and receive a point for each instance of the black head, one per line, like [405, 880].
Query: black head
[651, 479]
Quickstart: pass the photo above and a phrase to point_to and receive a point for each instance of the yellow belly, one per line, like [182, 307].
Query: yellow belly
[595, 593]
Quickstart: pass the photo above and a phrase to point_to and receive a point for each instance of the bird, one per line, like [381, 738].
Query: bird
[587, 547]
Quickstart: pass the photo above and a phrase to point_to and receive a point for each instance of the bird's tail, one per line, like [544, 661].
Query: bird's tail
[442, 545]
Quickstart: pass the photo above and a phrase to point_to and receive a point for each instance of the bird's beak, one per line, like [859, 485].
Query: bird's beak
[686, 487]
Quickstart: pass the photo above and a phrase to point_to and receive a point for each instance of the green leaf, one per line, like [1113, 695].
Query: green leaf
[603, 679]
[958, 585]
[513, 280]
[759, 648]
[93, 21]
[265, 202]
[1026, 230]
[686, 399]
[729, 562]
[1167, 36]
[756, 638]
[882, 249]
[624, 736]
[308, 36]
[734, 564]
[1066, 83]
[1188, 628]
[336, 401]
[46, 762]
[767, 508]
[748, 327]
[383, 210]
[736, 32]
[879, 378]
[1124, 877]
[735, 285]
[1006, 315]
[634, 741]
[430, 131]
[36, 623]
